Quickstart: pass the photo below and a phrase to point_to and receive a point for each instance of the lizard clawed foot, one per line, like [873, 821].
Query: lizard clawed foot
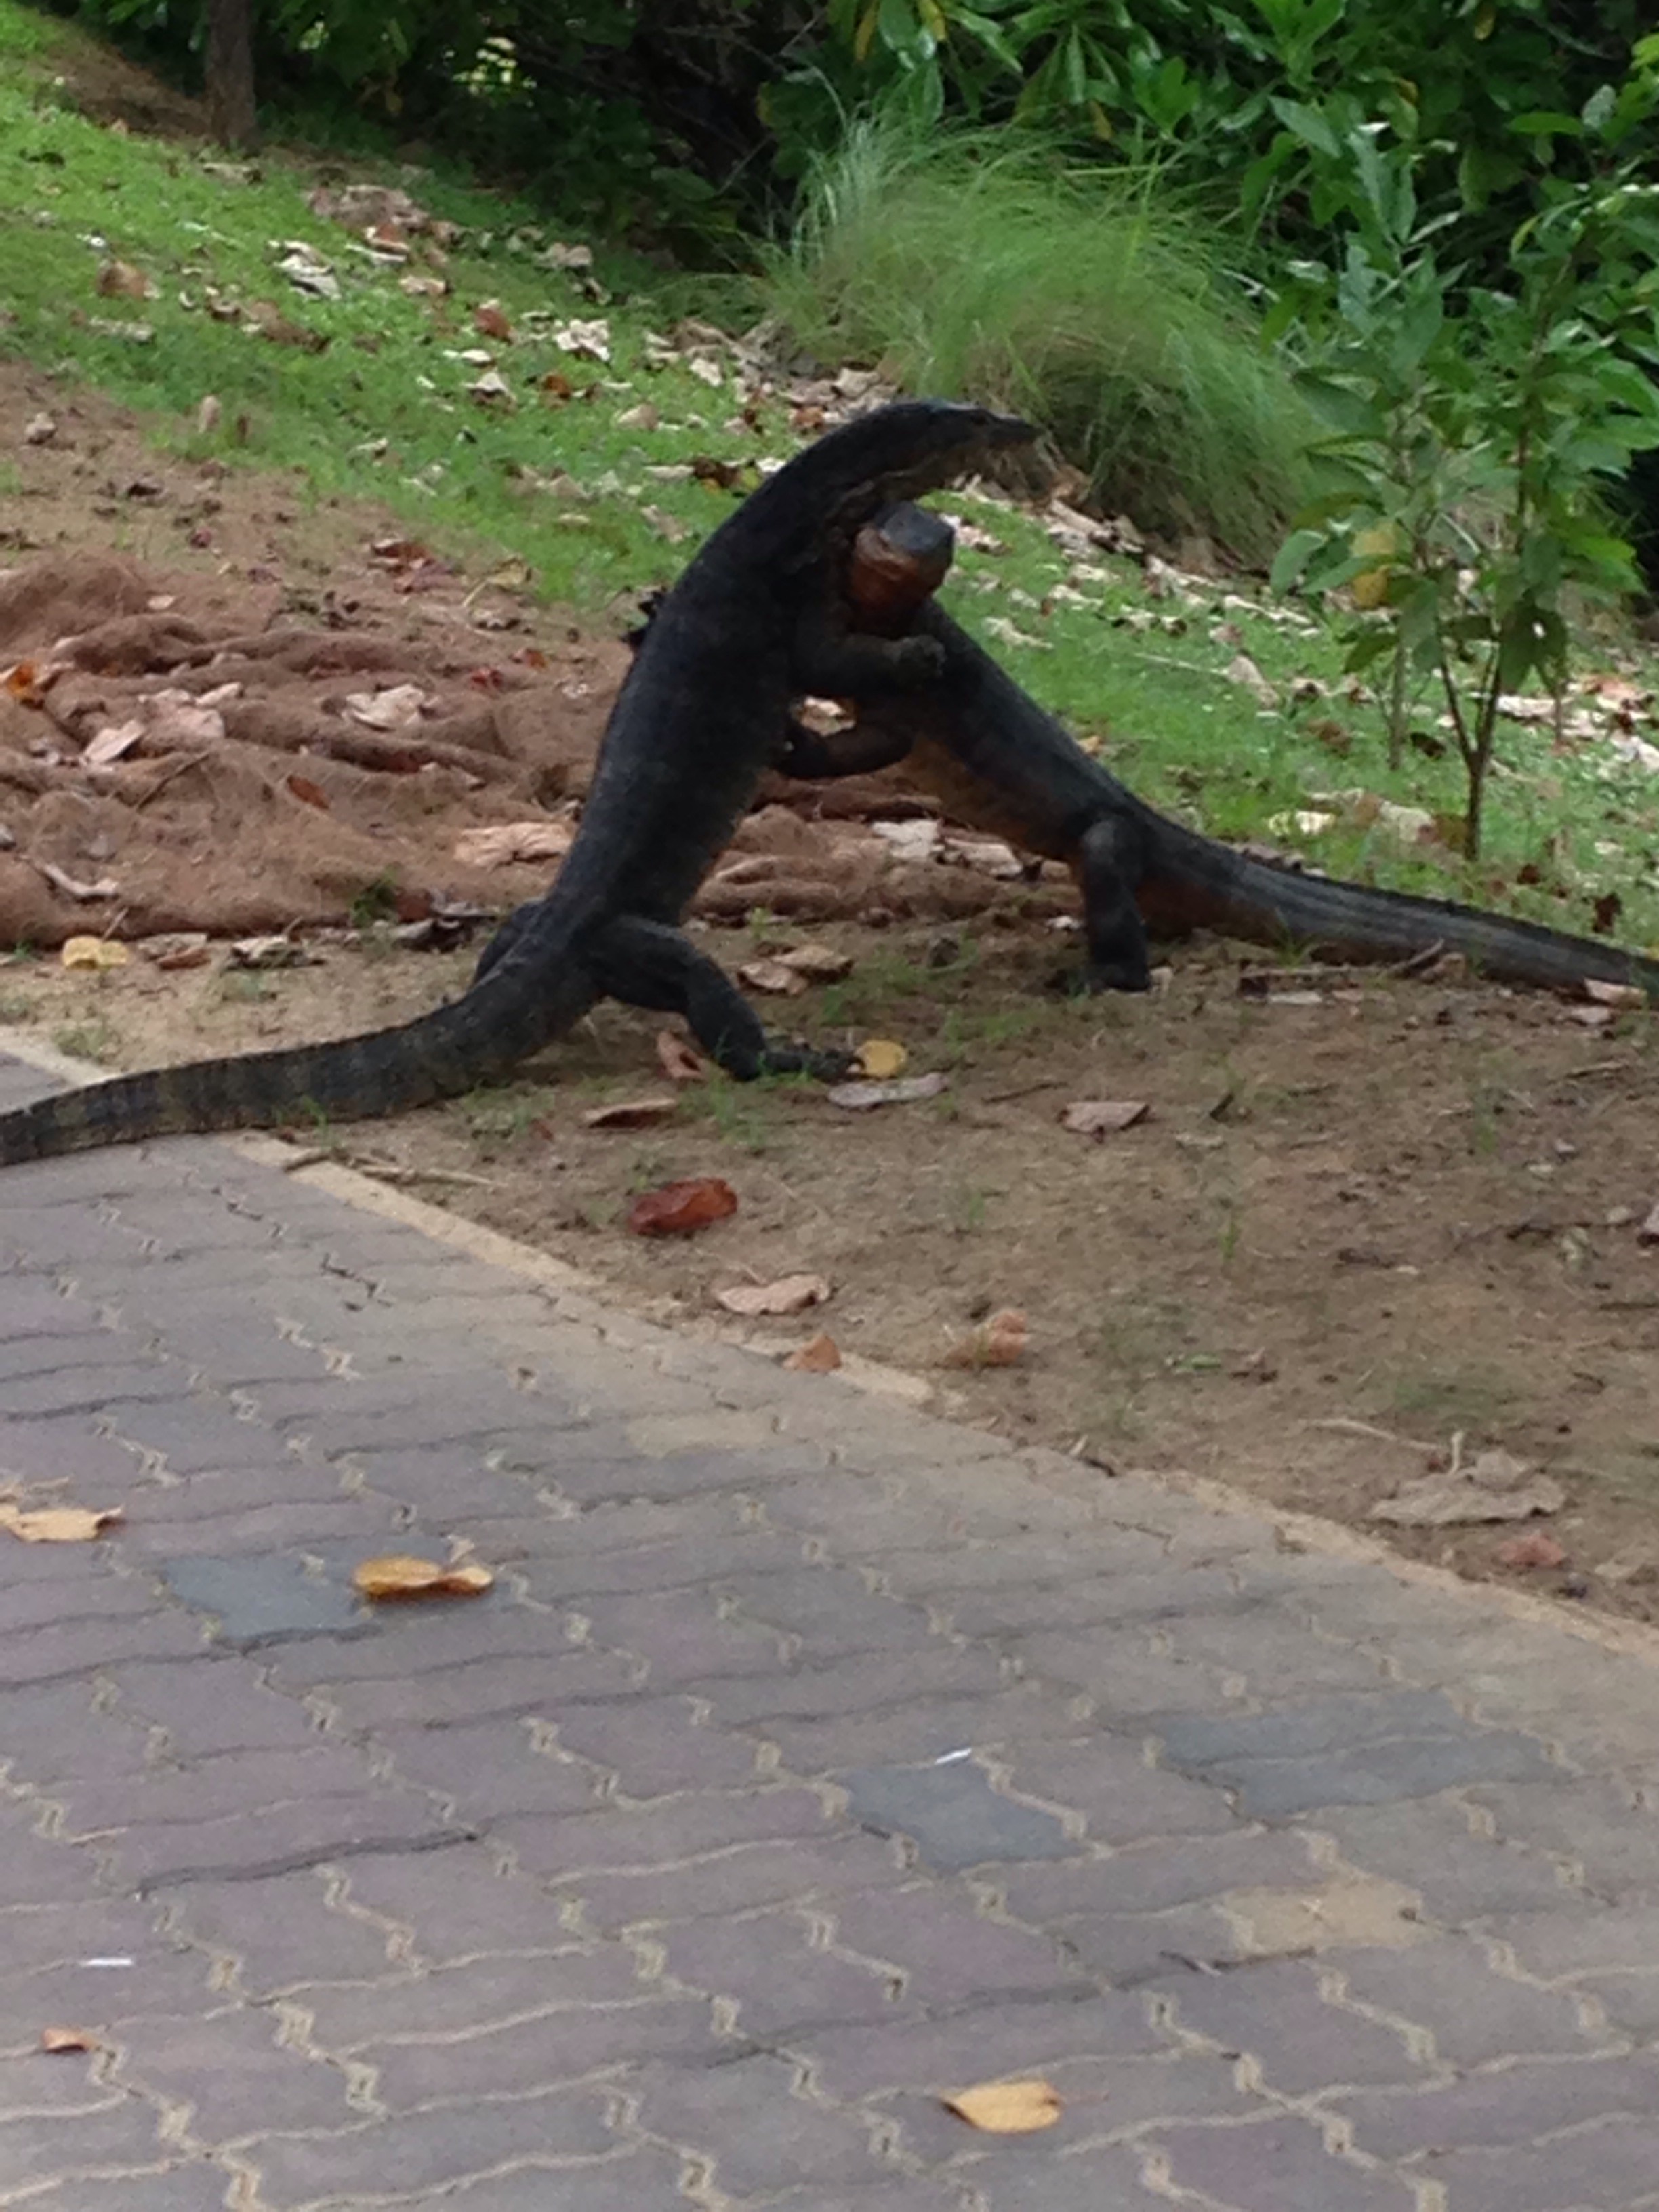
[1099, 977]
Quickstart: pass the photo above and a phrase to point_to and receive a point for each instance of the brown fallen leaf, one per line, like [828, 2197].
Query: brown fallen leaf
[308, 793]
[629, 1114]
[1095, 1117]
[677, 1059]
[1006, 2108]
[790, 1294]
[490, 321]
[70, 2038]
[860, 1097]
[97, 953]
[399, 1575]
[772, 976]
[119, 280]
[180, 948]
[678, 1209]
[499, 844]
[1001, 1341]
[1537, 1549]
[57, 1524]
[819, 1355]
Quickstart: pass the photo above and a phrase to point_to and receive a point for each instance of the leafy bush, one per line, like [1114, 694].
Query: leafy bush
[1481, 427]
[978, 272]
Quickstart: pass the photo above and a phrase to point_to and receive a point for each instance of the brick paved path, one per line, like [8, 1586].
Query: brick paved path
[810, 1758]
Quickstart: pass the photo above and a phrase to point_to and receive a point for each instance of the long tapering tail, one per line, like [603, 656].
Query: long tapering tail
[519, 1007]
[1211, 887]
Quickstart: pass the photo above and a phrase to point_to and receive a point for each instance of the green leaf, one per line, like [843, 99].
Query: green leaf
[1310, 126]
[1547, 123]
[1293, 557]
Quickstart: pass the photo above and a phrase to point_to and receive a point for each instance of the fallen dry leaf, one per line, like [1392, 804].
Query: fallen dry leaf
[57, 1524]
[180, 948]
[93, 952]
[1619, 995]
[588, 341]
[1537, 1549]
[501, 843]
[880, 1058]
[790, 1294]
[677, 1059]
[678, 1209]
[1006, 2108]
[819, 964]
[70, 2038]
[398, 1575]
[119, 280]
[629, 1114]
[308, 793]
[397, 707]
[999, 1342]
[819, 1355]
[1241, 669]
[273, 951]
[490, 321]
[1095, 1117]
[176, 719]
[73, 887]
[111, 742]
[1494, 1487]
[772, 976]
[860, 1097]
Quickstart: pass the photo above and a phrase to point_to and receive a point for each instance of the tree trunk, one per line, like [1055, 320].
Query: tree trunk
[230, 108]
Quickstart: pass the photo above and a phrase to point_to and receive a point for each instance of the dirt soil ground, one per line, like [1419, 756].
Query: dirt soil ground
[1364, 1225]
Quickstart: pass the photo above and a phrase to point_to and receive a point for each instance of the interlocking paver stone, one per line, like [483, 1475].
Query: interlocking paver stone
[808, 1761]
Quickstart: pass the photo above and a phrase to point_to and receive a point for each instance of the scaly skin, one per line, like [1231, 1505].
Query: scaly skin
[745, 630]
[996, 760]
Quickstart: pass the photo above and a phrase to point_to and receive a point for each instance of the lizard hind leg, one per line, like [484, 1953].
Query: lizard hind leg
[1107, 868]
[649, 964]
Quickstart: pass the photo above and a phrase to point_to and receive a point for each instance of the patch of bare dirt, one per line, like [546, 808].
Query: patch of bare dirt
[252, 718]
[1365, 1227]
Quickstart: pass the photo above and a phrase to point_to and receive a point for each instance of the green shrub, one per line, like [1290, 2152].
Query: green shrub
[975, 272]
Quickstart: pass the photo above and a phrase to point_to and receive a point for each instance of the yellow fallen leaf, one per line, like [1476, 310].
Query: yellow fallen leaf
[399, 1575]
[58, 1525]
[93, 952]
[880, 1059]
[70, 2039]
[1007, 2108]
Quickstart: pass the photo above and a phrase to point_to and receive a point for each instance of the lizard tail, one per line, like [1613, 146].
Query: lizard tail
[1347, 921]
[498, 1022]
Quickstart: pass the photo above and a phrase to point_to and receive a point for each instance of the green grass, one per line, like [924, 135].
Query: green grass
[383, 417]
[981, 271]
[384, 411]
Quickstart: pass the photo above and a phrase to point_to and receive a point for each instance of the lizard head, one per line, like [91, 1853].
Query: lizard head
[896, 453]
[899, 559]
